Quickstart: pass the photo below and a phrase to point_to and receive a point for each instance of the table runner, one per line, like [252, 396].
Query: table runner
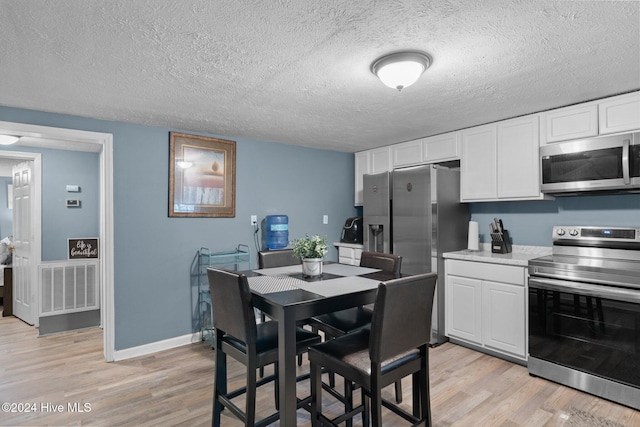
[270, 284]
[339, 286]
[278, 271]
[347, 270]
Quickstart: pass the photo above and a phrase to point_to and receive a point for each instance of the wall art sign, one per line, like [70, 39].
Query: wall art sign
[202, 176]
[83, 248]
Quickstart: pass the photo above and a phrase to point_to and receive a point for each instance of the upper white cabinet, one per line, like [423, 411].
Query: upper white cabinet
[500, 161]
[441, 148]
[576, 121]
[407, 153]
[620, 113]
[376, 160]
[518, 171]
[361, 168]
[478, 163]
[616, 114]
[380, 160]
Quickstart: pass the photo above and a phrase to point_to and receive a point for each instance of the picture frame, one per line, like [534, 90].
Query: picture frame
[202, 176]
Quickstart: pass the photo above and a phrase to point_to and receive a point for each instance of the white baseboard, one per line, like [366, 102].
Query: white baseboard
[154, 347]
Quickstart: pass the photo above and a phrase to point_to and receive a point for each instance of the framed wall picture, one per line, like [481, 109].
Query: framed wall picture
[202, 176]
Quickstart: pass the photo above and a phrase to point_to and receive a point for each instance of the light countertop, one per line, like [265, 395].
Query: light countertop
[349, 245]
[520, 255]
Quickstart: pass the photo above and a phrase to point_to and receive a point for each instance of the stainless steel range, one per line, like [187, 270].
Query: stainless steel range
[584, 312]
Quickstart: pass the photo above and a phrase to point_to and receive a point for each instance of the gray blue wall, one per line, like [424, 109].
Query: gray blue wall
[530, 223]
[154, 253]
[59, 168]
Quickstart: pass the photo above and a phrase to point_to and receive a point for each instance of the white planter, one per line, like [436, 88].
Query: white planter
[311, 267]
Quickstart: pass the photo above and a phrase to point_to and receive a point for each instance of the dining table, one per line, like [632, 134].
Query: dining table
[287, 296]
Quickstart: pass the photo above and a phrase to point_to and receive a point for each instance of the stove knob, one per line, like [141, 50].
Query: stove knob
[560, 232]
[573, 232]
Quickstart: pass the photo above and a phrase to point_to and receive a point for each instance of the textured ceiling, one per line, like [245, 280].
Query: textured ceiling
[297, 72]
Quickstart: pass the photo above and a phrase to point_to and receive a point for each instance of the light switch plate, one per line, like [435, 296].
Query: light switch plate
[73, 203]
[325, 219]
[73, 188]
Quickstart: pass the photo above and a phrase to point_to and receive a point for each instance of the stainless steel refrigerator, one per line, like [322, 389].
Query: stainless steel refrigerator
[415, 212]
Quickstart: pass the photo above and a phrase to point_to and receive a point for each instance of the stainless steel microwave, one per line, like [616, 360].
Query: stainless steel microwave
[603, 164]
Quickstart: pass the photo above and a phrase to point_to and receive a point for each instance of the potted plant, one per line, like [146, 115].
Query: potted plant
[311, 250]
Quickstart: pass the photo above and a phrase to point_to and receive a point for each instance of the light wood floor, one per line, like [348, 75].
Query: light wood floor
[174, 387]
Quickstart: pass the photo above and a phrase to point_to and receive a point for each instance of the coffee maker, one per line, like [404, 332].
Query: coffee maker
[352, 230]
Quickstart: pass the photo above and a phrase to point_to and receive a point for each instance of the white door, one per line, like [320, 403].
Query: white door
[24, 272]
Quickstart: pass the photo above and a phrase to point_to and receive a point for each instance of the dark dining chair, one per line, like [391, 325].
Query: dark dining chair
[394, 346]
[342, 322]
[277, 258]
[253, 344]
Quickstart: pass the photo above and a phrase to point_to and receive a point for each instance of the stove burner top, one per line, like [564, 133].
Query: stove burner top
[607, 256]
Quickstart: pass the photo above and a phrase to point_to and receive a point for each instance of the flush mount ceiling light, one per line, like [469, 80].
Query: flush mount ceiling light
[8, 139]
[401, 69]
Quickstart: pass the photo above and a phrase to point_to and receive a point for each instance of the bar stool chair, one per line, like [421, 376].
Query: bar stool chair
[396, 345]
[254, 344]
[342, 322]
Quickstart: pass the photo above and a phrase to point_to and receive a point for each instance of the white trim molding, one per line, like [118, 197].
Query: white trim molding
[143, 350]
[79, 140]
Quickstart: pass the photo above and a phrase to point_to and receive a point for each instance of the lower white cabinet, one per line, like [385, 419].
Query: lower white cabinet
[349, 253]
[486, 306]
[463, 308]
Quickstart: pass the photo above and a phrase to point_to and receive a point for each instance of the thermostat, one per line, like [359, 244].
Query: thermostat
[73, 203]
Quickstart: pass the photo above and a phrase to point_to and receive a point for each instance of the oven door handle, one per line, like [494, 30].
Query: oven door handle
[608, 292]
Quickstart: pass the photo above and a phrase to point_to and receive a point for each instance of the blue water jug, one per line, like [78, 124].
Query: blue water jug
[277, 230]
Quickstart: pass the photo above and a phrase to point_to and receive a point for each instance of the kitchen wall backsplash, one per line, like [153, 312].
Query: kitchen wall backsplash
[530, 222]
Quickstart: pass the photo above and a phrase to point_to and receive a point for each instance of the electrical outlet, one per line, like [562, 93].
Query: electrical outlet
[325, 219]
[254, 219]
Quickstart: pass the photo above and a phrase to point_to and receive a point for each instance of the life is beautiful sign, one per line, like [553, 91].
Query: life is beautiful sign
[83, 248]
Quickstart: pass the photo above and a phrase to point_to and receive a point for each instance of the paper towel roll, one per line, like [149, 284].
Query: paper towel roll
[473, 243]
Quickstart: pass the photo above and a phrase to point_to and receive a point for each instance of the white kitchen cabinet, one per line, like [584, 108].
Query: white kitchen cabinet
[619, 113]
[464, 308]
[377, 160]
[380, 160]
[504, 313]
[486, 306]
[349, 253]
[407, 153]
[441, 148]
[478, 163]
[361, 168]
[518, 170]
[500, 161]
[573, 122]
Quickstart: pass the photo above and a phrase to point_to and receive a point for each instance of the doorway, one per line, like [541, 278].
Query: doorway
[102, 143]
[23, 235]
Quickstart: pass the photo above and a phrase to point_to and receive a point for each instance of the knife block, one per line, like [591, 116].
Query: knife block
[500, 243]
